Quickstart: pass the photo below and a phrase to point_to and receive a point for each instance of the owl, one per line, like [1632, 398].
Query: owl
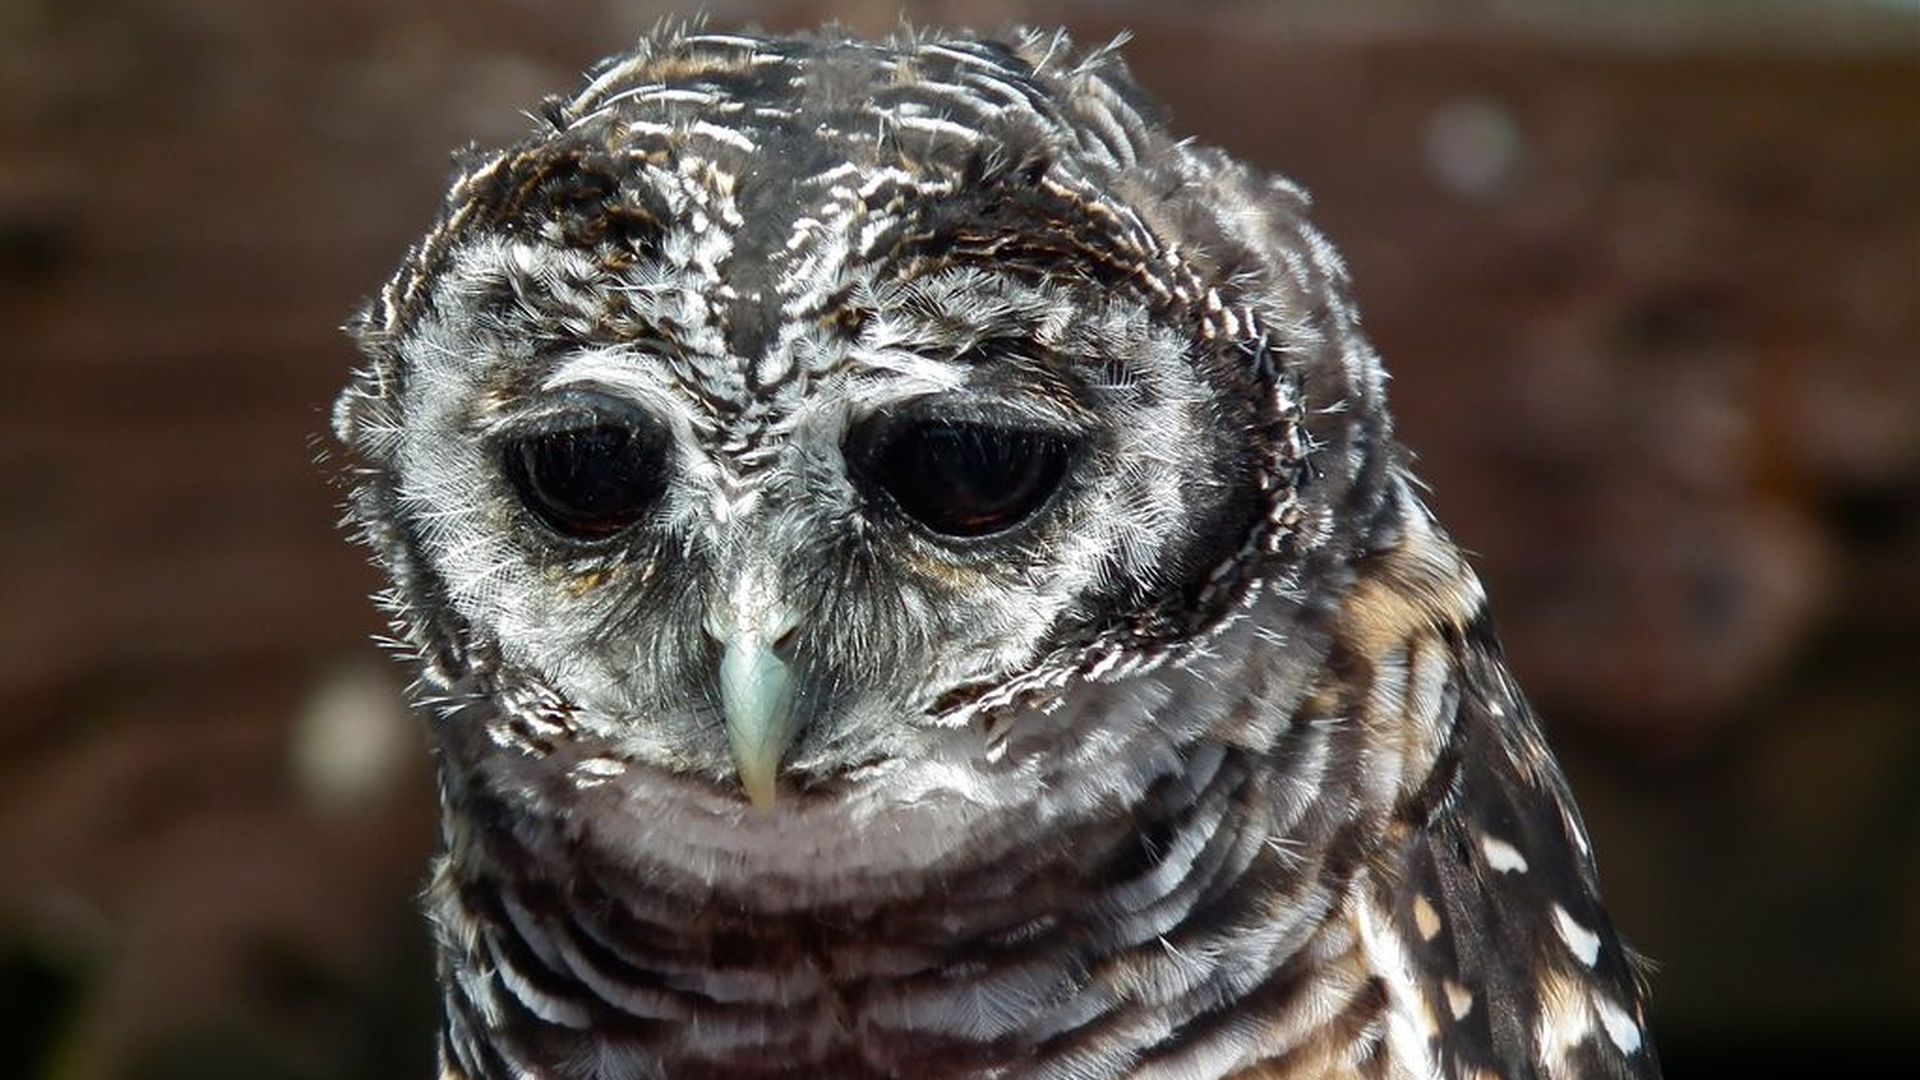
[911, 575]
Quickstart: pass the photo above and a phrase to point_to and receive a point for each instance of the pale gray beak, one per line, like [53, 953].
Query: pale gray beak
[756, 685]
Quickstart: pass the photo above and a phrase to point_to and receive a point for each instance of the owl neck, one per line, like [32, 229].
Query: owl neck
[947, 973]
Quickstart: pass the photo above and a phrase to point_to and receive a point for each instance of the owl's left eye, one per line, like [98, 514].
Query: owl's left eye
[589, 477]
[960, 479]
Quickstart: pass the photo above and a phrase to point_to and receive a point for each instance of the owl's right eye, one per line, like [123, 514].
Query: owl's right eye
[592, 477]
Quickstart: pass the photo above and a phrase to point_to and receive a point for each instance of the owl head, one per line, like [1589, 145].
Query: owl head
[806, 417]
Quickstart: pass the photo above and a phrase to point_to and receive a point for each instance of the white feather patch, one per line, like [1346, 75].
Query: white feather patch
[1620, 1027]
[1503, 857]
[1584, 943]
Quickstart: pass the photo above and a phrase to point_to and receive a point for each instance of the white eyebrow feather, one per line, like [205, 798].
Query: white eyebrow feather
[643, 379]
[638, 376]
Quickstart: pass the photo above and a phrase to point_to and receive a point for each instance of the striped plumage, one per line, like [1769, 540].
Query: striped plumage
[1207, 766]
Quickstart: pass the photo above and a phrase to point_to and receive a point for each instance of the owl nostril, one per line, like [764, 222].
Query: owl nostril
[783, 645]
[752, 617]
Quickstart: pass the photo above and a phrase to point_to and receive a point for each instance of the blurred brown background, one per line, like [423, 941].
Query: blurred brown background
[1648, 275]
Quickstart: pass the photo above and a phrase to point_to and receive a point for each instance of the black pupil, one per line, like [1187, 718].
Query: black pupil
[962, 479]
[591, 481]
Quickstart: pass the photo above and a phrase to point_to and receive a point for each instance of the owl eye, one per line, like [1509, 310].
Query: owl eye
[591, 478]
[965, 479]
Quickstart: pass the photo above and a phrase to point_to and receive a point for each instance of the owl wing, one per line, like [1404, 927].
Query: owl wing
[1490, 877]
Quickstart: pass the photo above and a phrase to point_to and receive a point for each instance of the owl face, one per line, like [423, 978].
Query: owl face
[767, 433]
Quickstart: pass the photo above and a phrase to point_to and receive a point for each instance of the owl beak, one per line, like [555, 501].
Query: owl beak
[756, 696]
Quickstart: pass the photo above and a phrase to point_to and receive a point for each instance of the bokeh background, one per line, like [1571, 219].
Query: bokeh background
[1648, 276]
